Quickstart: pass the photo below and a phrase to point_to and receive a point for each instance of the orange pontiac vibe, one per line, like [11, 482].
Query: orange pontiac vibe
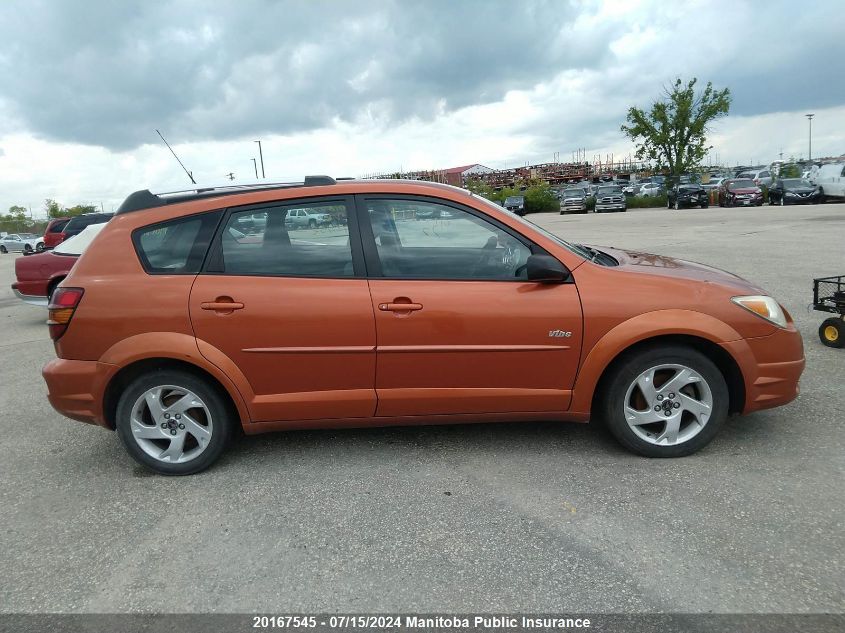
[329, 304]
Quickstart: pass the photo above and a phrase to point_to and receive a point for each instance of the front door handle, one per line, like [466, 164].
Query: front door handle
[221, 306]
[399, 307]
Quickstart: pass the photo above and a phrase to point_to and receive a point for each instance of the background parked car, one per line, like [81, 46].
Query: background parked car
[610, 198]
[21, 242]
[37, 276]
[574, 201]
[830, 179]
[307, 219]
[515, 204]
[740, 192]
[650, 189]
[77, 224]
[53, 234]
[761, 177]
[687, 195]
[793, 191]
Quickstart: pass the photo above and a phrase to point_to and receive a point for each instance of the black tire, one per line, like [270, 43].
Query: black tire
[611, 401]
[822, 199]
[221, 414]
[704, 205]
[3, 250]
[39, 247]
[52, 288]
[27, 248]
[312, 224]
[677, 205]
[832, 333]
[668, 203]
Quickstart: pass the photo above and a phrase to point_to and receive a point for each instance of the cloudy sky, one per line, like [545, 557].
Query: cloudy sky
[354, 88]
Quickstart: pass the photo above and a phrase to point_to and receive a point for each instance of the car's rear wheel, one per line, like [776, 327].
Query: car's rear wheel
[3, 250]
[27, 248]
[312, 224]
[173, 422]
[832, 332]
[664, 401]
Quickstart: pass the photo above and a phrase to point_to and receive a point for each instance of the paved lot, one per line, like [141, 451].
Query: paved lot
[520, 517]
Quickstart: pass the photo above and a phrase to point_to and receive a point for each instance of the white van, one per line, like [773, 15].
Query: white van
[830, 179]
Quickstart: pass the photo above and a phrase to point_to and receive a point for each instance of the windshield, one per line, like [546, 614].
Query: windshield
[796, 182]
[575, 248]
[606, 190]
[741, 184]
[573, 193]
[514, 199]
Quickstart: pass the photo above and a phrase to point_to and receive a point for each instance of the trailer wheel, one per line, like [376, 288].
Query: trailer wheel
[832, 332]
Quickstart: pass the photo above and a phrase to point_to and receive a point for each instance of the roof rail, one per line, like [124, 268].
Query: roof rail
[145, 199]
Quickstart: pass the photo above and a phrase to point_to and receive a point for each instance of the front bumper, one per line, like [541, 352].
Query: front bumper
[771, 367]
[75, 388]
[611, 207]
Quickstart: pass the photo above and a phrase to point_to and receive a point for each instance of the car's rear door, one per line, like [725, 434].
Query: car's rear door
[290, 307]
[460, 330]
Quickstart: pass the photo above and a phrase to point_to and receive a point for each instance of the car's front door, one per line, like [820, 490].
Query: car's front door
[460, 329]
[291, 309]
[13, 243]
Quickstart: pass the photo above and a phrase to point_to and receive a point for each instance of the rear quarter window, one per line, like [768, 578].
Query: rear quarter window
[175, 247]
[57, 227]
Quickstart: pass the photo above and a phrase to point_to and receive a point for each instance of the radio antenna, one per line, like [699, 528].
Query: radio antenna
[176, 157]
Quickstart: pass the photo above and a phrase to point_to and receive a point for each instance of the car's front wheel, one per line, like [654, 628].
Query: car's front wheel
[173, 422]
[3, 250]
[664, 401]
[39, 247]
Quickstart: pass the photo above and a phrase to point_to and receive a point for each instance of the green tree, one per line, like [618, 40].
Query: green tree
[674, 132]
[53, 209]
[78, 209]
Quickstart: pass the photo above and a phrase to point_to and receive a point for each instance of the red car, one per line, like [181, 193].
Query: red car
[54, 233]
[740, 192]
[39, 274]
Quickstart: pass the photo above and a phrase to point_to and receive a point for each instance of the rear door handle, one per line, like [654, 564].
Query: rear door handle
[227, 306]
[399, 307]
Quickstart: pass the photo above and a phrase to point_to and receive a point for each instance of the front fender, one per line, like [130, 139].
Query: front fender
[640, 328]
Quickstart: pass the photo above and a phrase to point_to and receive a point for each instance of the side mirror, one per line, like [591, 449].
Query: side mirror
[546, 269]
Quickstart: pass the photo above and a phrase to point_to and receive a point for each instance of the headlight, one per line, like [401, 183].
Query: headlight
[764, 307]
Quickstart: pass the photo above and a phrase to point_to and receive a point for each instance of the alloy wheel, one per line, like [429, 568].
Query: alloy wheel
[171, 424]
[667, 405]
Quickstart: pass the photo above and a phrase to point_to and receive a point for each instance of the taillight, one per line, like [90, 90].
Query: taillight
[63, 304]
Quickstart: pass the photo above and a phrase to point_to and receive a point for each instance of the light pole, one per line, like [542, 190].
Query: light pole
[255, 165]
[261, 155]
[810, 121]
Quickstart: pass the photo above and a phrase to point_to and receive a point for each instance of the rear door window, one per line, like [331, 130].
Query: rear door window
[309, 240]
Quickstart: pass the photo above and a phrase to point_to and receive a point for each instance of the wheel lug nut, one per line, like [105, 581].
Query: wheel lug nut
[671, 395]
[677, 405]
[173, 431]
[660, 396]
[164, 425]
[166, 416]
[656, 408]
[182, 426]
[178, 416]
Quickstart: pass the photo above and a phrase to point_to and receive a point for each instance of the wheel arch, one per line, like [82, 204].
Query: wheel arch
[124, 377]
[699, 331]
[720, 357]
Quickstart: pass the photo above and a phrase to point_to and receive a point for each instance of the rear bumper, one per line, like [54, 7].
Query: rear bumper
[33, 300]
[75, 388]
[771, 367]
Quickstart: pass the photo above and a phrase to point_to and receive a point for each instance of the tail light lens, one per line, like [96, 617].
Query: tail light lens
[60, 311]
